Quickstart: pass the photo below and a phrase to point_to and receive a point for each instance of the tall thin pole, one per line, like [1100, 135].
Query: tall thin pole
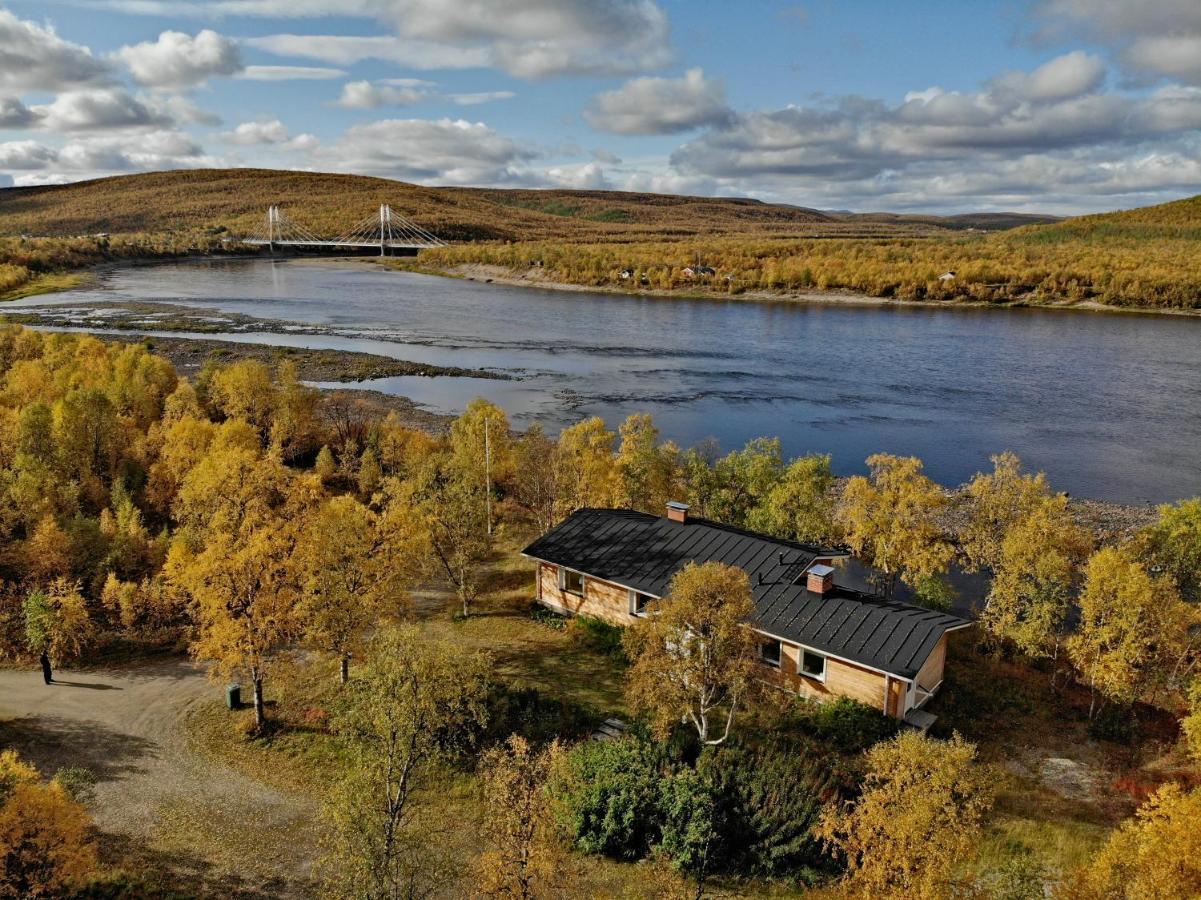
[383, 227]
[488, 474]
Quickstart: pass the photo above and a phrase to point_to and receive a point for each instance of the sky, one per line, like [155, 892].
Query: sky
[943, 106]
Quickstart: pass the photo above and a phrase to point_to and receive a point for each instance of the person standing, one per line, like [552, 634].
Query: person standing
[46, 673]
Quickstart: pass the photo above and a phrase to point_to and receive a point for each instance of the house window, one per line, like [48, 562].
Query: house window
[639, 602]
[571, 582]
[813, 665]
[769, 652]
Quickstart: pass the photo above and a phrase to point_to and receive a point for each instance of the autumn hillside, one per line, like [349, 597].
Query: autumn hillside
[1145, 258]
[237, 200]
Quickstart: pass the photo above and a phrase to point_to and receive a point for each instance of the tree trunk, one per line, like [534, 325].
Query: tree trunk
[259, 718]
[344, 669]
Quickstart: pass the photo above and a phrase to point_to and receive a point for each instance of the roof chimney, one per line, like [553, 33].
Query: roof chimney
[821, 579]
[677, 512]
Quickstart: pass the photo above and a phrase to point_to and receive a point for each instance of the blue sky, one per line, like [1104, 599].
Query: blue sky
[1057, 105]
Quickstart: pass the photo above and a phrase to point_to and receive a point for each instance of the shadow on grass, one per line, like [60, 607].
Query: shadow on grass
[143, 871]
[50, 742]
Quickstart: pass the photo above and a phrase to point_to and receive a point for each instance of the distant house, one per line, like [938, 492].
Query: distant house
[697, 272]
[819, 639]
[947, 276]
[625, 274]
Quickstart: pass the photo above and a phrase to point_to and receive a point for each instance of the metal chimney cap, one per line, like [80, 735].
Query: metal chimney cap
[676, 504]
[821, 571]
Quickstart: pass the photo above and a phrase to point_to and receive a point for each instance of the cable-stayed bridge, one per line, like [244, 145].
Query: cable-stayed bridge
[385, 230]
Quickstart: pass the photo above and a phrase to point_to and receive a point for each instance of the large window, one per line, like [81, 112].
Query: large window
[769, 652]
[813, 665]
[639, 603]
[571, 582]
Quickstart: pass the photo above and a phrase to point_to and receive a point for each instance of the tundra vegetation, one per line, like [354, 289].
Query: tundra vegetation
[1143, 258]
[271, 531]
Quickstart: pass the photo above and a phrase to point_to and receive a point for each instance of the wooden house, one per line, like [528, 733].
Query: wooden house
[818, 638]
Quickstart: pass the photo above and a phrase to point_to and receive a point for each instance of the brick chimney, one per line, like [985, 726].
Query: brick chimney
[677, 512]
[821, 579]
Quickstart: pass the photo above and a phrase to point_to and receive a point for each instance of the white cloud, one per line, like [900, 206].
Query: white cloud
[345, 50]
[158, 150]
[26, 155]
[430, 151]
[1061, 78]
[179, 60]
[660, 105]
[1153, 38]
[271, 131]
[1052, 133]
[180, 108]
[582, 177]
[366, 95]
[481, 97]
[92, 157]
[1119, 18]
[34, 58]
[1175, 55]
[402, 92]
[15, 114]
[290, 73]
[526, 38]
[98, 109]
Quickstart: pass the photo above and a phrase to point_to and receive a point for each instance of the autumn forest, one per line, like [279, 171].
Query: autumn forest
[359, 578]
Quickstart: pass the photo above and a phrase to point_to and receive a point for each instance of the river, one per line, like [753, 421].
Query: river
[1108, 405]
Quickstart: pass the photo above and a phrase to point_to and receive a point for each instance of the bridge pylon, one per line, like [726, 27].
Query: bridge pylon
[385, 230]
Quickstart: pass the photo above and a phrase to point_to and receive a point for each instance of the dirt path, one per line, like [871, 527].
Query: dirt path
[210, 830]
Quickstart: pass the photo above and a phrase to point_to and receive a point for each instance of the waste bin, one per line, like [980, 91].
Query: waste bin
[233, 695]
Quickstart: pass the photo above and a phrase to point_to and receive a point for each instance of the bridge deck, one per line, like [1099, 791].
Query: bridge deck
[264, 243]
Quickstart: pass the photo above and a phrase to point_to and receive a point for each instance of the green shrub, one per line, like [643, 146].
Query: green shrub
[693, 826]
[547, 617]
[768, 800]
[78, 782]
[846, 725]
[600, 636]
[607, 797]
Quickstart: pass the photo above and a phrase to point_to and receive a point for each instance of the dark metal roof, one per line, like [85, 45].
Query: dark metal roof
[643, 552]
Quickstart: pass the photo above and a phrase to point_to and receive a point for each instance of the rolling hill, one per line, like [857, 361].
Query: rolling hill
[236, 200]
[1144, 258]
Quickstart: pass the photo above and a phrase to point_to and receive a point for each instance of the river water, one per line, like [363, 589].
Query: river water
[1109, 406]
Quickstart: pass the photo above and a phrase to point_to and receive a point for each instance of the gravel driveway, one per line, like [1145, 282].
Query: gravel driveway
[210, 830]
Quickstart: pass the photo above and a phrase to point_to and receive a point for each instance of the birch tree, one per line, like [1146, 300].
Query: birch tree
[999, 500]
[1133, 627]
[920, 816]
[890, 519]
[415, 702]
[1036, 572]
[694, 659]
[354, 565]
[523, 857]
